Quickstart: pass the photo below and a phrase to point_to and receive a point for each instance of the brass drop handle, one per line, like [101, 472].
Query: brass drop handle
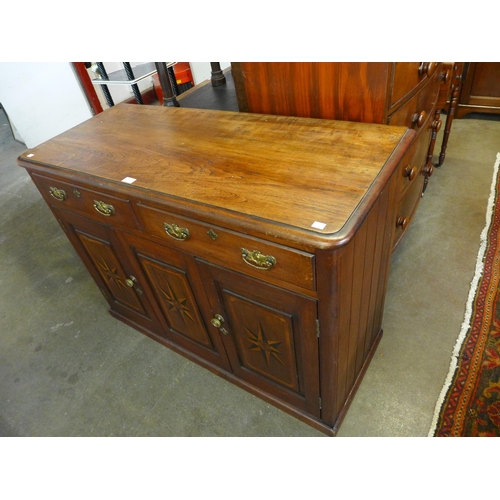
[130, 281]
[176, 232]
[104, 208]
[402, 222]
[410, 172]
[58, 194]
[419, 119]
[256, 259]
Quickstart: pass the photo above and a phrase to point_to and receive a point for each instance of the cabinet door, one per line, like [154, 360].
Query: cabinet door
[269, 335]
[167, 273]
[102, 254]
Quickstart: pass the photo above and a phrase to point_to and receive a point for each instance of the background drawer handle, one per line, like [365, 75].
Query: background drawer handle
[402, 222]
[176, 232]
[410, 172]
[426, 67]
[104, 208]
[257, 260]
[58, 194]
[419, 119]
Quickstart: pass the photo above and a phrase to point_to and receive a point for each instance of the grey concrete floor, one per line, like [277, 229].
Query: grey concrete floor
[67, 368]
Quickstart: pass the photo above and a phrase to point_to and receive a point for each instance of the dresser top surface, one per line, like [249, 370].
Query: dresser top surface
[305, 174]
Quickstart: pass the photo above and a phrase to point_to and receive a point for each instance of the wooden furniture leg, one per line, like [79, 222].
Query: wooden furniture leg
[169, 98]
[218, 77]
[455, 94]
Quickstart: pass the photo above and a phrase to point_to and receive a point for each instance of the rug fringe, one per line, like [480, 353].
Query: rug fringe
[470, 299]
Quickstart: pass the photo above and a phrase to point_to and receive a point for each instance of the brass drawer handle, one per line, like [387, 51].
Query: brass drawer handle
[58, 194]
[176, 232]
[104, 208]
[257, 260]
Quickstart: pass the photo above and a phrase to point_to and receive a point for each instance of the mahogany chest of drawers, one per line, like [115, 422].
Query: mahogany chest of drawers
[257, 246]
[394, 93]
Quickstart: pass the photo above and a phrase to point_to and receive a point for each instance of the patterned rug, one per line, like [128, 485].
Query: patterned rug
[469, 404]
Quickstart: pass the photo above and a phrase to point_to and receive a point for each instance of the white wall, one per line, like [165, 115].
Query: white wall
[42, 100]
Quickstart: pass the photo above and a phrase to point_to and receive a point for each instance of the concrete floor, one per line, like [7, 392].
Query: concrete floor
[67, 368]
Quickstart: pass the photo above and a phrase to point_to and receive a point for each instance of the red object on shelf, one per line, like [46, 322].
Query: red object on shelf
[182, 71]
[183, 75]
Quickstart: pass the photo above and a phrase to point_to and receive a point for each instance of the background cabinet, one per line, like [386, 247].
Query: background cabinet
[480, 89]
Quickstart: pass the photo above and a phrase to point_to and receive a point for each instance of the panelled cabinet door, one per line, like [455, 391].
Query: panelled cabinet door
[166, 272]
[269, 335]
[102, 254]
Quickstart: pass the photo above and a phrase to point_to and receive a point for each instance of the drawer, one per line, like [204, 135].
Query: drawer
[407, 207]
[407, 76]
[416, 113]
[412, 162]
[93, 204]
[242, 253]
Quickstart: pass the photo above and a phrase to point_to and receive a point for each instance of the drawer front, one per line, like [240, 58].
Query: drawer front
[245, 254]
[407, 207]
[412, 162]
[407, 76]
[418, 110]
[93, 204]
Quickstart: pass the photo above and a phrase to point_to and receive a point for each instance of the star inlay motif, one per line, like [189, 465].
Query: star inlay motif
[111, 273]
[176, 303]
[266, 347]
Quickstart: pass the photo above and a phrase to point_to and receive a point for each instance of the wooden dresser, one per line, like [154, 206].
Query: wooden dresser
[402, 93]
[480, 89]
[257, 246]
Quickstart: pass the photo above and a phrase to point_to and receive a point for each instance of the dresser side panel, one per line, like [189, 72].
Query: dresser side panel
[352, 286]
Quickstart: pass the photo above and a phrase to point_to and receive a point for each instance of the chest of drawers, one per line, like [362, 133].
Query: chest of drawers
[402, 93]
[257, 246]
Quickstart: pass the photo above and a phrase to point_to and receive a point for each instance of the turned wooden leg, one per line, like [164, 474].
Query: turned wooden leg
[449, 120]
[169, 98]
[429, 168]
[218, 77]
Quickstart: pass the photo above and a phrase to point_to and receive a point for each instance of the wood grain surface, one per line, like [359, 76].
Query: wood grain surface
[287, 170]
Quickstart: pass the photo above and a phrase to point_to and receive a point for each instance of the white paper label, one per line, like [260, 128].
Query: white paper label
[318, 225]
[30, 155]
[129, 180]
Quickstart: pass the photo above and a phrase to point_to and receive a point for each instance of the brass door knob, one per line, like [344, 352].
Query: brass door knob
[217, 321]
[131, 281]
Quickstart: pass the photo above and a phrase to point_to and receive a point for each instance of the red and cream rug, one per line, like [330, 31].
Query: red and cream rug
[469, 403]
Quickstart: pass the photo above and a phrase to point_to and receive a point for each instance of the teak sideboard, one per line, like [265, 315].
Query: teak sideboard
[257, 246]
